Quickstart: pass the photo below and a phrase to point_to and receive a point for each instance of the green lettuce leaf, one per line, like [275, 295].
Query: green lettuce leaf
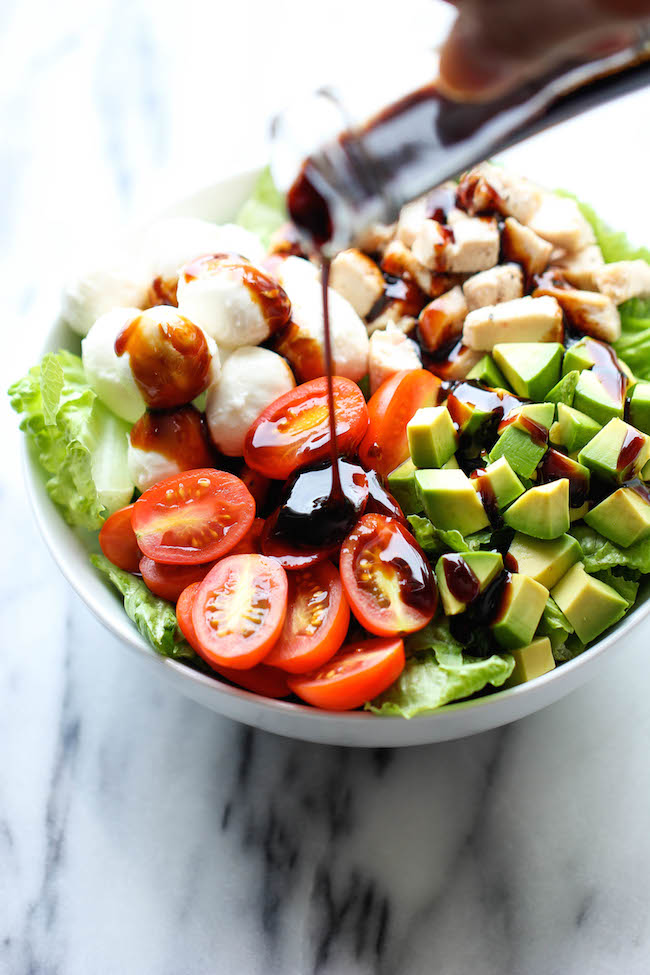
[600, 554]
[625, 587]
[433, 540]
[265, 209]
[554, 625]
[80, 444]
[154, 617]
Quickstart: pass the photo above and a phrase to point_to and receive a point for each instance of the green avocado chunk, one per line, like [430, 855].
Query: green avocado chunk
[640, 407]
[542, 414]
[623, 517]
[499, 482]
[484, 565]
[617, 452]
[487, 372]
[432, 436]
[531, 368]
[401, 484]
[590, 605]
[450, 501]
[531, 662]
[522, 442]
[564, 391]
[544, 560]
[593, 398]
[577, 358]
[542, 512]
[572, 428]
[521, 610]
[451, 465]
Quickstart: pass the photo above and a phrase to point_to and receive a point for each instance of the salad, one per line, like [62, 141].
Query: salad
[488, 516]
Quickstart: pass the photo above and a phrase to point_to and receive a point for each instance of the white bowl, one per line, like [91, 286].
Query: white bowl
[70, 550]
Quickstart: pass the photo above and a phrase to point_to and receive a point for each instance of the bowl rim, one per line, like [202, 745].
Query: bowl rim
[52, 528]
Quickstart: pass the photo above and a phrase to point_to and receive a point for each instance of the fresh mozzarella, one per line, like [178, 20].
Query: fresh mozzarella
[98, 290]
[305, 336]
[108, 374]
[148, 467]
[251, 378]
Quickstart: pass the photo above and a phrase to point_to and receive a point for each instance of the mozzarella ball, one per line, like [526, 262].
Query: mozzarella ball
[165, 443]
[251, 379]
[232, 300]
[100, 289]
[108, 374]
[148, 467]
[303, 342]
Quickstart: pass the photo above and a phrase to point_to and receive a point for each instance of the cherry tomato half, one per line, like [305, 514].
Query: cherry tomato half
[385, 445]
[250, 543]
[290, 556]
[169, 581]
[294, 429]
[239, 610]
[387, 578]
[118, 542]
[193, 517]
[357, 674]
[316, 622]
[267, 681]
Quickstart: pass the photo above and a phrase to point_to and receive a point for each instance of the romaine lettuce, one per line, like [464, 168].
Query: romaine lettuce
[555, 626]
[264, 211]
[599, 553]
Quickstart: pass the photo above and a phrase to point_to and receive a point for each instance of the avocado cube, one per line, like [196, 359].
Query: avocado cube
[521, 610]
[542, 512]
[531, 368]
[451, 465]
[520, 450]
[531, 662]
[539, 414]
[572, 429]
[487, 372]
[432, 436]
[556, 465]
[577, 358]
[623, 517]
[639, 413]
[590, 605]
[401, 484]
[593, 398]
[459, 576]
[575, 514]
[544, 560]
[564, 391]
[617, 452]
[498, 483]
[450, 501]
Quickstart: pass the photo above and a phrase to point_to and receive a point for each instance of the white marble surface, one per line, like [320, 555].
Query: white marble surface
[142, 835]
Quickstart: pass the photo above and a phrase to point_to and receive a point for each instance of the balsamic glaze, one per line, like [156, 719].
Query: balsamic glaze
[630, 449]
[555, 466]
[488, 607]
[488, 498]
[461, 580]
[311, 513]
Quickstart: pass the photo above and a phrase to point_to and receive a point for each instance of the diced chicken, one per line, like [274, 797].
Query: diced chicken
[376, 237]
[522, 320]
[487, 188]
[401, 302]
[286, 241]
[465, 245]
[460, 361]
[623, 280]
[399, 261]
[560, 221]
[441, 321]
[580, 268]
[356, 276]
[588, 311]
[390, 352]
[505, 282]
[523, 245]
[411, 218]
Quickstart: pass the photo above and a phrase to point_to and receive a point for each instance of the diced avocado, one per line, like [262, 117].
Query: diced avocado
[592, 397]
[501, 481]
[556, 465]
[520, 450]
[521, 610]
[590, 605]
[623, 517]
[432, 436]
[450, 501]
[564, 391]
[451, 465]
[575, 514]
[531, 662]
[572, 429]
[541, 414]
[542, 512]
[485, 566]
[577, 358]
[544, 560]
[617, 452]
[401, 484]
[531, 368]
[487, 372]
[645, 472]
[640, 407]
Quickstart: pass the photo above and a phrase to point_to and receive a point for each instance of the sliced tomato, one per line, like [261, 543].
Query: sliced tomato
[385, 445]
[387, 578]
[290, 556]
[382, 501]
[250, 543]
[316, 622]
[294, 430]
[267, 681]
[257, 484]
[239, 611]
[357, 674]
[169, 581]
[118, 542]
[193, 517]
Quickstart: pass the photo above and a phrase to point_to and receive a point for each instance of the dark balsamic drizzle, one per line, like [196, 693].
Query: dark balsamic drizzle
[461, 580]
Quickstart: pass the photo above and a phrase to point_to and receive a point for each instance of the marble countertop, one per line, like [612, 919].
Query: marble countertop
[143, 835]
